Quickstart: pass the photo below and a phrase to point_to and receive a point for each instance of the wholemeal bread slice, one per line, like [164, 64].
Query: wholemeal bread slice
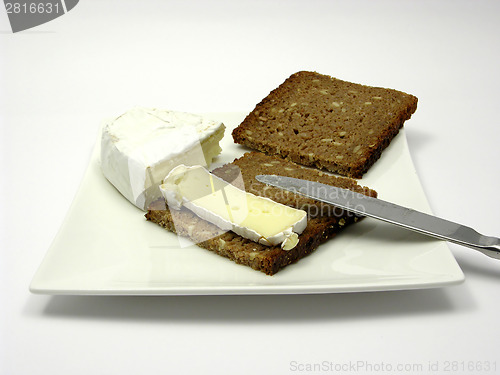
[324, 221]
[321, 121]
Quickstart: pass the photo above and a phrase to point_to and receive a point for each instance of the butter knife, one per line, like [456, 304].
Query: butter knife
[392, 213]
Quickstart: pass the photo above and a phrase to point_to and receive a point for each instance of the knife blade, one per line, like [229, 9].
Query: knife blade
[392, 213]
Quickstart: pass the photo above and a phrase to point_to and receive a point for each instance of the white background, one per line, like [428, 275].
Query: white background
[58, 80]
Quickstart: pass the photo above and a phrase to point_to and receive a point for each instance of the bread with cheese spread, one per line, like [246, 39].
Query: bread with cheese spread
[324, 221]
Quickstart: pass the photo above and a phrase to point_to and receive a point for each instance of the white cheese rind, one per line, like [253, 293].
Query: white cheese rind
[257, 218]
[140, 147]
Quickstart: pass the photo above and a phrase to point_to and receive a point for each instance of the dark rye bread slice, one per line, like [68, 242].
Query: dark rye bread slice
[321, 121]
[321, 224]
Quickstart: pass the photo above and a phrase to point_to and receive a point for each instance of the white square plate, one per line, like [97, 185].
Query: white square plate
[105, 245]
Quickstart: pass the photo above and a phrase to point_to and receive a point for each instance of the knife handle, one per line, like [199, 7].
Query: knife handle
[492, 249]
[458, 234]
